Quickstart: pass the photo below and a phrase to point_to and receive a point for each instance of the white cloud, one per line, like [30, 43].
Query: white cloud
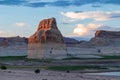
[21, 24]
[95, 15]
[80, 30]
[86, 30]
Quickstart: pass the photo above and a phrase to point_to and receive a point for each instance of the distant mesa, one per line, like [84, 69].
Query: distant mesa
[103, 38]
[9, 41]
[47, 41]
[106, 38]
[107, 34]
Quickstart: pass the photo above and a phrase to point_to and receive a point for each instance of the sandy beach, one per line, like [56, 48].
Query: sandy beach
[50, 75]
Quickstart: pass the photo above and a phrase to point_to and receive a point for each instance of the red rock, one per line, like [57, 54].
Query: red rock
[47, 38]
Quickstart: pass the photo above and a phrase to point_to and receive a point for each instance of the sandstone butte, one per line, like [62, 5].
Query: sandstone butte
[47, 41]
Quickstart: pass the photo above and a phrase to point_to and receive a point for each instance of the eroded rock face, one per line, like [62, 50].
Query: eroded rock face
[47, 41]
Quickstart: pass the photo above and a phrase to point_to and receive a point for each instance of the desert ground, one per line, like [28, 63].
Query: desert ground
[16, 73]
[50, 75]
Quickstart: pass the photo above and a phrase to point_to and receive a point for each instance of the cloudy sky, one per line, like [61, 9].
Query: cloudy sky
[75, 18]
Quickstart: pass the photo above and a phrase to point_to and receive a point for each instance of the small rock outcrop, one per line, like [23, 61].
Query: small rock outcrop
[47, 41]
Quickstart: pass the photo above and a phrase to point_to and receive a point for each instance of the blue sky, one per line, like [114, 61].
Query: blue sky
[79, 18]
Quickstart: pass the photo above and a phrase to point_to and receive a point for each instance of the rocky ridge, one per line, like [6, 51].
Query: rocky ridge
[13, 46]
[8, 41]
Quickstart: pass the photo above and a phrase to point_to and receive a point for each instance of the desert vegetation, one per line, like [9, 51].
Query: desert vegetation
[73, 68]
[37, 71]
[3, 67]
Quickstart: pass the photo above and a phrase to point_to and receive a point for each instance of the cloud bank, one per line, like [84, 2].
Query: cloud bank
[58, 3]
[95, 15]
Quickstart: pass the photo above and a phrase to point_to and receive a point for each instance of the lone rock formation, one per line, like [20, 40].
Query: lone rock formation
[47, 41]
